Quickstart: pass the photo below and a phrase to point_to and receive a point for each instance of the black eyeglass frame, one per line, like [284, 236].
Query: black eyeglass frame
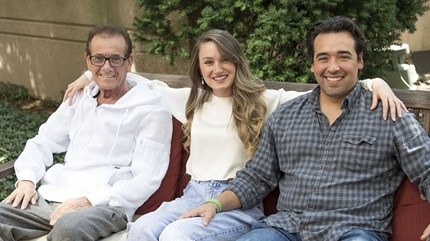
[107, 59]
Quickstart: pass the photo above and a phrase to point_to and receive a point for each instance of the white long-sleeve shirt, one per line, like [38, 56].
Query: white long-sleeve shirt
[117, 154]
[216, 151]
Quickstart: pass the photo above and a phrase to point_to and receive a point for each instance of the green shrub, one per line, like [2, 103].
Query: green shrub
[17, 126]
[10, 92]
[273, 32]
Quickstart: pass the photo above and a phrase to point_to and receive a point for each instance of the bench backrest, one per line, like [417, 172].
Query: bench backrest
[417, 101]
[411, 214]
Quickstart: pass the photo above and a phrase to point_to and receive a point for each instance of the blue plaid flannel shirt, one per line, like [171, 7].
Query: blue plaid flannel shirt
[334, 178]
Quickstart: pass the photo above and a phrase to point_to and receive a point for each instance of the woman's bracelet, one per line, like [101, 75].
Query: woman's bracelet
[218, 204]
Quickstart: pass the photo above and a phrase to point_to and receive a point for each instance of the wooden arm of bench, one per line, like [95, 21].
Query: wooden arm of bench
[6, 169]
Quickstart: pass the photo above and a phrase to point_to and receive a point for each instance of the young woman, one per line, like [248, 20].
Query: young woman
[222, 115]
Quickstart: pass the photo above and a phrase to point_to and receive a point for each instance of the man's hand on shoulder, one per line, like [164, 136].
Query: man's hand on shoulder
[71, 205]
[25, 193]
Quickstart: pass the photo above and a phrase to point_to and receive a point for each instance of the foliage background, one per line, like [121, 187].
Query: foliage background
[21, 116]
[272, 32]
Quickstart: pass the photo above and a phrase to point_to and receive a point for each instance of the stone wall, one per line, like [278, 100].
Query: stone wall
[42, 42]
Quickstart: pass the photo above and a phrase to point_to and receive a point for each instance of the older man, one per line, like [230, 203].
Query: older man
[117, 136]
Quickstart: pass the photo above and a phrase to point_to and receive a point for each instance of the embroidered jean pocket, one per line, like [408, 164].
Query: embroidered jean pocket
[357, 152]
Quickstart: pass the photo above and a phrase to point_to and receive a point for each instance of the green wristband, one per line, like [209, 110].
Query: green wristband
[218, 204]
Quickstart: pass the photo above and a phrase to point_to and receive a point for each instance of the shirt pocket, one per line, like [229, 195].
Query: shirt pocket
[149, 157]
[357, 152]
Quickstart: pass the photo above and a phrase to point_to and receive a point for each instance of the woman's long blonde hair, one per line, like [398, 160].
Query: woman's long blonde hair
[249, 108]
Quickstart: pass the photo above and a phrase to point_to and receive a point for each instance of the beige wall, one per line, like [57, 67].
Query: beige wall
[420, 39]
[42, 42]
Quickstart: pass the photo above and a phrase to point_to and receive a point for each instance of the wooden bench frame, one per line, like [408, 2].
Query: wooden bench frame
[417, 101]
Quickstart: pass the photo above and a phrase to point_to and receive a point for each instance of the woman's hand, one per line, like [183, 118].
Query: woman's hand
[75, 86]
[382, 91]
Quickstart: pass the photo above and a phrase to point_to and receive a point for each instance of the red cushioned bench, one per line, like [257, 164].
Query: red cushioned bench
[411, 214]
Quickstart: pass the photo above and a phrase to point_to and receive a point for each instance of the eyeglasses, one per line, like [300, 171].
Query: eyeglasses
[99, 61]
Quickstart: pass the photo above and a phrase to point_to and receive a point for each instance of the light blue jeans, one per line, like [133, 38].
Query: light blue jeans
[163, 225]
[357, 234]
[262, 231]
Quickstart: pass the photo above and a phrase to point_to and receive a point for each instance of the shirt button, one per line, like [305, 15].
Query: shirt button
[321, 166]
[302, 226]
[327, 143]
[310, 209]
[314, 190]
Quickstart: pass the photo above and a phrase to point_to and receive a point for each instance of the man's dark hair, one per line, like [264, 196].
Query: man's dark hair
[110, 30]
[334, 25]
